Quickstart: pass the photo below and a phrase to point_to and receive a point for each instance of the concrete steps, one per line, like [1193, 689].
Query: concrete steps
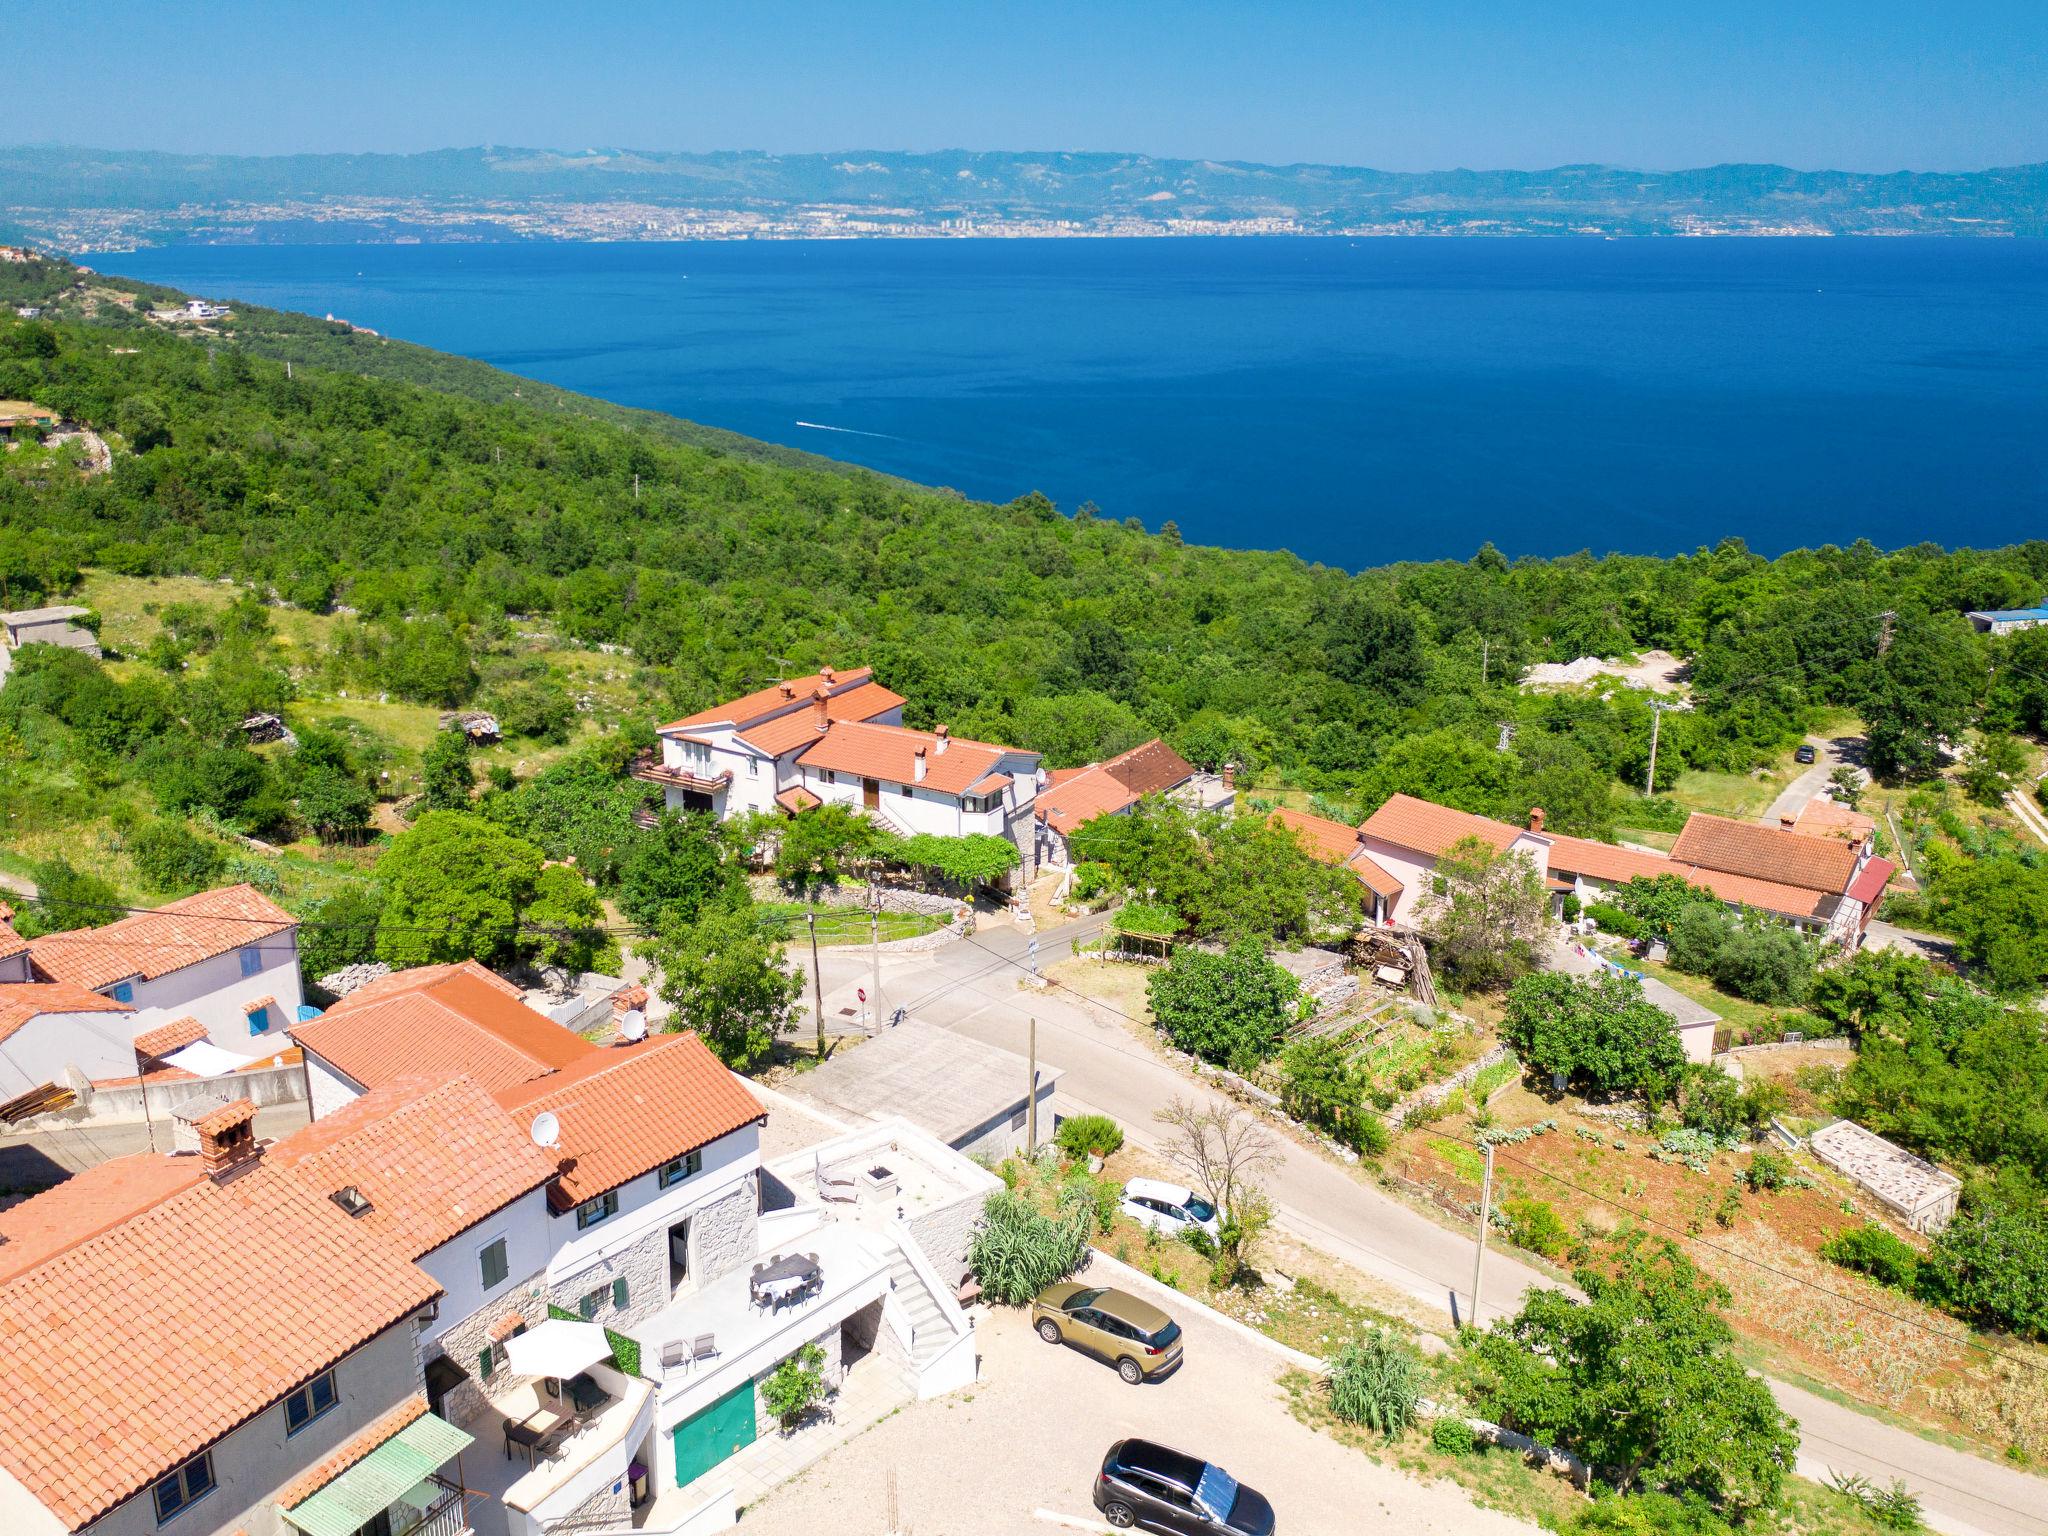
[930, 1331]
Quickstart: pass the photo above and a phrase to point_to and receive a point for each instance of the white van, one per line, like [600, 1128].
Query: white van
[1169, 1208]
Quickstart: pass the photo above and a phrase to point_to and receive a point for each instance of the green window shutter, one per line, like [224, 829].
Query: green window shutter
[485, 1365]
[619, 1293]
[587, 1307]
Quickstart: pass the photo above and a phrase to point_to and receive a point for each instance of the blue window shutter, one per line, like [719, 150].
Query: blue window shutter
[124, 992]
[259, 1020]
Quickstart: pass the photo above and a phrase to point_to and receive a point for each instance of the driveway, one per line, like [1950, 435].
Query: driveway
[1031, 1434]
[1828, 756]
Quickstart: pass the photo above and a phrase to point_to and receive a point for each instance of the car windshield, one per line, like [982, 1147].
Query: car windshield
[1201, 1209]
[1216, 1492]
[1164, 1336]
[1083, 1299]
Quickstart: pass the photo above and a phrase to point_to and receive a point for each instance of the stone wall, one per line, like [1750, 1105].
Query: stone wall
[604, 1510]
[725, 1234]
[1436, 1093]
[464, 1343]
[643, 1266]
[828, 1341]
[943, 1235]
[894, 898]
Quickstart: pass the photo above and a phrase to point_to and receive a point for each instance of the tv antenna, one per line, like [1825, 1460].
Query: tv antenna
[546, 1130]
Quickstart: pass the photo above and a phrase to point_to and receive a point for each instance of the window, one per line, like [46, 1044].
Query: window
[907, 792]
[308, 1403]
[753, 767]
[492, 1264]
[252, 960]
[682, 1168]
[591, 1212]
[124, 992]
[619, 1293]
[183, 1487]
[590, 1305]
[259, 1020]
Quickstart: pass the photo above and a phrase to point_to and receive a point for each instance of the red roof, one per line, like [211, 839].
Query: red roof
[1101, 789]
[764, 702]
[11, 943]
[1765, 853]
[165, 939]
[1604, 861]
[1827, 818]
[1870, 883]
[126, 1351]
[166, 1038]
[627, 1109]
[91, 1201]
[890, 752]
[1425, 827]
[437, 1021]
[796, 798]
[1334, 842]
[786, 732]
[433, 1158]
[21, 1001]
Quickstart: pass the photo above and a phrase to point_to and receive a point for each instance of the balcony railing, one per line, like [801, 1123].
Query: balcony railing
[649, 768]
[446, 1516]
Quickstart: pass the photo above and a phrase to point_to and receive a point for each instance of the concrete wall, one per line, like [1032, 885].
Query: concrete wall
[330, 1086]
[1002, 1134]
[942, 1235]
[214, 990]
[252, 1462]
[262, 1086]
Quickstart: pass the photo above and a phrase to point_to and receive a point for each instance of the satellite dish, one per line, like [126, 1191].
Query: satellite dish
[633, 1026]
[547, 1130]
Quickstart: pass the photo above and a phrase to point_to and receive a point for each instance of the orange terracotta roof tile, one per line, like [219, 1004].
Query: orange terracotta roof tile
[87, 1204]
[506, 1326]
[11, 943]
[1764, 895]
[1604, 861]
[1827, 818]
[265, 1001]
[766, 701]
[796, 798]
[166, 1038]
[1375, 875]
[438, 1021]
[21, 1001]
[1079, 795]
[1758, 852]
[234, 1112]
[627, 1109]
[351, 1451]
[1334, 842]
[165, 939]
[786, 732]
[128, 1352]
[433, 1158]
[890, 752]
[1428, 828]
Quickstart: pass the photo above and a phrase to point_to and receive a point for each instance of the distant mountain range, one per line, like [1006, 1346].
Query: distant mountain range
[76, 199]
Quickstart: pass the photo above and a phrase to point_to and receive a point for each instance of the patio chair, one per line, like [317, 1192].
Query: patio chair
[703, 1347]
[834, 1186]
[674, 1352]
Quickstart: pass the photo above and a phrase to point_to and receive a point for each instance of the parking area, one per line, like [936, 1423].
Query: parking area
[1030, 1435]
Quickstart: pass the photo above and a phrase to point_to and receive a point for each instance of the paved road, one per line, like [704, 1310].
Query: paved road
[38, 1159]
[1828, 757]
[973, 988]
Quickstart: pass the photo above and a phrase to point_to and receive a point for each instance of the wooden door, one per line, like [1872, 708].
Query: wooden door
[871, 794]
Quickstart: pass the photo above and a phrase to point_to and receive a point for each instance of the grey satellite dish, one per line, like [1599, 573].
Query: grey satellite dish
[547, 1130]
[633, 1026]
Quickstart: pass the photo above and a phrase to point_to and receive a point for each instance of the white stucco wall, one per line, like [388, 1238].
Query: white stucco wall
[1413, 870]
[644, 1208]
[98, 1044]
[456, 1264]
[328, 1086]
[214, 990]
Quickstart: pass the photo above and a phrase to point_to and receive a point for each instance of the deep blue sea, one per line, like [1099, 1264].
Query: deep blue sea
[1354, 401]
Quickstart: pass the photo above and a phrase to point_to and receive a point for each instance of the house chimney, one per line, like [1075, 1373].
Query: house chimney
[1230, 776]
[1535, 818]
[1787, 821]
[222, 1132]
[826, 673]
[944, 735]
[917, 766]
[788, 690]
[819, 717]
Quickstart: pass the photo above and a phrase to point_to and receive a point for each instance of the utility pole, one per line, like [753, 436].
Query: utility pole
[817, 987]
[1485, 650]
[1656, 719]
[636, 487]
[875, 956]
[1031, 1090]
[1485, 1215]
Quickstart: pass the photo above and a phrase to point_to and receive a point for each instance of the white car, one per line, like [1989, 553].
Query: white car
[1169, 1208]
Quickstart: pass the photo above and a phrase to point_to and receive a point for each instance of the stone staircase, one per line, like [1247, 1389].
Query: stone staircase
[930, 1330]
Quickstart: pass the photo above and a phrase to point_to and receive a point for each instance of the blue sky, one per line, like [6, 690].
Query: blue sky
[1854, 84]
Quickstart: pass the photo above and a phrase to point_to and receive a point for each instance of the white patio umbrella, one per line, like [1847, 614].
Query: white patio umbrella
[557, 1348]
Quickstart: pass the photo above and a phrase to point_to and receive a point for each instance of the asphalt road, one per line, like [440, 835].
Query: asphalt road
[972, 987]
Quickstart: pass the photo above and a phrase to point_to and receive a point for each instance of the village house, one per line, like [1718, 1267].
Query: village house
[838, 737]
[262, 1379]
[222, 966]
[1071, 797]
[2006, 621]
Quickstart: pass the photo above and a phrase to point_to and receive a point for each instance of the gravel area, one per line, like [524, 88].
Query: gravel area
[1031, 1433]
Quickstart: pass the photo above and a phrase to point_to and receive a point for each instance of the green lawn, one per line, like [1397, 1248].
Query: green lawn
[1739, 1013]
[845, 925]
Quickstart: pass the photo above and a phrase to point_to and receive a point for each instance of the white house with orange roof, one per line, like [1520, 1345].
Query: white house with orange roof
[740, 756]
[1070, 798]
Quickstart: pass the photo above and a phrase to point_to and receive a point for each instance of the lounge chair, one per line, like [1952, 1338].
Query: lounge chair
[703, 1347]
[834, 1186]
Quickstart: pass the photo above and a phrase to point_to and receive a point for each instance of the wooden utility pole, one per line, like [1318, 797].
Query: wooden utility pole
[1485, 654]
[1031, 1090]
[875, 957]
[1485, 1215]
[817, 986]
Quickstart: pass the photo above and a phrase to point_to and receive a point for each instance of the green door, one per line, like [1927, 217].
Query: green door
[706, 1438]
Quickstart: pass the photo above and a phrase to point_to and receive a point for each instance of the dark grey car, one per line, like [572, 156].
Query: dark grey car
[1155, 1488]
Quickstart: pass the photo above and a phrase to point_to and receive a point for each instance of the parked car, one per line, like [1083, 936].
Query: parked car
[1157, 1489]
[1133, 1335]
[1803, 753]
[1169, 1208]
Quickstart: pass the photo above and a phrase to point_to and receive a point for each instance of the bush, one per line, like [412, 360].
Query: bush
[1602, 1034]
[1373, 1382]
[1080, 1135]
[1768, 1170]
[1874, 1251]
[1613, 920]
[1102, 1197]
[1990, 1267]
[796, 1386]
[173, 859]
[67, 898]
[1536, 1226]
[1321, 1087]
[1230, 1008]
[1016, 1251]
[1453, 1436]
[340, 930]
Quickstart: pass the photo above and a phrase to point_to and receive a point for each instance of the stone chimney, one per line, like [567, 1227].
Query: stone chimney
[819, 716]
[827, 674]
[223, 1133]
[1787, 821]
[944, 735]
[1230, 776]
[788, 690]
[1535, 818]
[917, 765]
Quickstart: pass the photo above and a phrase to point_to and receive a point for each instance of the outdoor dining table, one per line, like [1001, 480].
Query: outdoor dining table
[784, 1279]
[532, 1433]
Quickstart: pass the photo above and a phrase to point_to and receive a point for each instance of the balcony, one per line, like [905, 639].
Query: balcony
[585, 1448]
[650, 769]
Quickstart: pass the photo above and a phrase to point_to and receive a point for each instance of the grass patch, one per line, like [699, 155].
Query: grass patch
[845, 925]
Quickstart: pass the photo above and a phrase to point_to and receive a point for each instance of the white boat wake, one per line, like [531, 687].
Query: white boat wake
[819, 426]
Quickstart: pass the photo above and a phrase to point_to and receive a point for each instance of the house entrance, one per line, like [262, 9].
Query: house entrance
[871, 794]
[678, 1253]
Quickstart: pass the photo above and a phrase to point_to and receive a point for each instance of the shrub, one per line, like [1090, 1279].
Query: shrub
[1536, 1226]
[1373, 1382]
[1990, 1267]
[1613, 920]
[67, 898]
[1893, 1508]
[1453, 1436]
[1080, 1135]
[1603, 1034]
[796, 1386]
[1102, 1197]
[1321, 1087]
[172, 858]
[1768, 1170]
[1874, 1251]
[1016, 1251]
[1230, 1008]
